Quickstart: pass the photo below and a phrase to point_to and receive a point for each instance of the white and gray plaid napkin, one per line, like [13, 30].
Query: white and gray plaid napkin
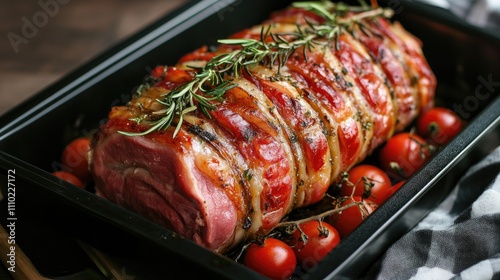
[460, 239]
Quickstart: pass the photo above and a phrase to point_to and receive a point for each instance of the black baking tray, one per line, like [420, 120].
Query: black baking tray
[53, 214]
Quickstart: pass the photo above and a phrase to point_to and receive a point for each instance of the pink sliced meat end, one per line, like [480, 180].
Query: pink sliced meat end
[166, 186]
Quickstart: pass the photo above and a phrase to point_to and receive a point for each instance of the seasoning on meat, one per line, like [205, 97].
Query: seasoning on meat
[222, 145]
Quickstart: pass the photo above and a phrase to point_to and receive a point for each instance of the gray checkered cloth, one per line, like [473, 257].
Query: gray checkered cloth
[460, 239]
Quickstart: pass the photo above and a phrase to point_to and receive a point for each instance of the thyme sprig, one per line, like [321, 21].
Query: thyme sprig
[211, 81]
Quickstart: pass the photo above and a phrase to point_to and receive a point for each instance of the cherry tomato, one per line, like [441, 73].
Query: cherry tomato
[349, 219]
[68, 177]
[74, 158]
[321, 239]
[439, 125]
[273, 259]
[404, 154]
[396, 187]
[369, 181]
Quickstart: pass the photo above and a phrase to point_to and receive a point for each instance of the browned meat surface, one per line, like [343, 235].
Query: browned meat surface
[277, 140]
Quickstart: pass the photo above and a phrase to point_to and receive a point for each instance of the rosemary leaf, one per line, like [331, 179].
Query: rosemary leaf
[212, 81]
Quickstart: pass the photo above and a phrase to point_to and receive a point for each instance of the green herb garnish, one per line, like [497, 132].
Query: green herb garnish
[217, 76]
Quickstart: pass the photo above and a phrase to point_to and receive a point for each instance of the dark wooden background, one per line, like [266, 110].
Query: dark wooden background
[41, 43]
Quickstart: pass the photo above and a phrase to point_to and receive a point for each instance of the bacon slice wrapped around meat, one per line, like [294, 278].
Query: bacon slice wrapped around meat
[279, 137]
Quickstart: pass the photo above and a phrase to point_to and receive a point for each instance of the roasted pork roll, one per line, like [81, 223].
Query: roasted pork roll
[222, 145]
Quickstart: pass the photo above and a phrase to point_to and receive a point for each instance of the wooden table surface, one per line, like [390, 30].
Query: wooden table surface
[41, 41]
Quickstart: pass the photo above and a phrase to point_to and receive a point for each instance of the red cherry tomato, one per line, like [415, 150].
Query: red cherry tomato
[439, 125]
[273, 259]
[396, 187]
[404, 154]
[68, 177]
[74, 158]
[349, 219]
[321, 239]
[369, 181]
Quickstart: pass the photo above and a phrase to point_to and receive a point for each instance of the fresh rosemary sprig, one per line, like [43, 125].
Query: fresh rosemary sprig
[217, 76]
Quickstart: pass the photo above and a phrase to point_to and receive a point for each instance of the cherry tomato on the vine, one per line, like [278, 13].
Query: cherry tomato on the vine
[439, 125]
[350, 218]
[274, 258]
[369, 181]
[74, 158]
[68, 177]
[314, 242]
[403, 154]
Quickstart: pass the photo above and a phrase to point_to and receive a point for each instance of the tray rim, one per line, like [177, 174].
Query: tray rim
[103, 63]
